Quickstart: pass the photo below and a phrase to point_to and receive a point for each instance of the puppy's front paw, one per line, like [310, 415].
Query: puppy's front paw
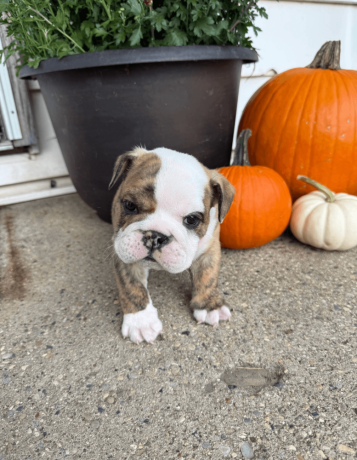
[144, 325]
[213, 317]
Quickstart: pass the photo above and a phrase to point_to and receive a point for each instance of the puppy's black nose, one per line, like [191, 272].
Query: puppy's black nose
[155, 240]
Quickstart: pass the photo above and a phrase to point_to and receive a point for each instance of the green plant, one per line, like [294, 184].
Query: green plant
[55, 28]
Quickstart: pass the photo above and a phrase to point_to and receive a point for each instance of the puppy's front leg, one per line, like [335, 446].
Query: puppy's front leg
[206, 303]
[140, 321]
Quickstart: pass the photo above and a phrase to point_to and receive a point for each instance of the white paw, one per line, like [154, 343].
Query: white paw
[213, 317]
[144, 325]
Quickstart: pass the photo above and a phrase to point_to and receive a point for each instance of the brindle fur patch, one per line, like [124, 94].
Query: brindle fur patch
[204, 275]
[207, 200]
[131, 281]
[218, 193]
[138, 187]
[222, 192]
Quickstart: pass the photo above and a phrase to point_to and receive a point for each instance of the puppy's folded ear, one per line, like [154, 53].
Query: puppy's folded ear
[222, 192]
[123, 165]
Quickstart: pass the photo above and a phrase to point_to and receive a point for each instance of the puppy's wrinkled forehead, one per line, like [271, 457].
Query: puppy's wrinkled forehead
[180, 183]
[165, 179]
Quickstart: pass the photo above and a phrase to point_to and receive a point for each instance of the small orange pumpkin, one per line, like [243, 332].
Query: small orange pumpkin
[304, 122]
[261, 208]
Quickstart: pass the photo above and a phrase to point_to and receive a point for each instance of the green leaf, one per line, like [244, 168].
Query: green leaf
[135, 7]
[78, 37]
[158, 21]
[35, 62]
[120, 37]
[61, 20]
[135, 37]
[87, 27]
[96, 12]
[4, 4]
[205, 25]
[176, 38]
[175, 23]
[100, 31]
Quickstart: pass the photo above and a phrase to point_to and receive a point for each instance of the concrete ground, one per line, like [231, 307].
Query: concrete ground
[72, 387]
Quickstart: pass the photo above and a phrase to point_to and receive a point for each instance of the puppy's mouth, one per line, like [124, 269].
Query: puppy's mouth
[149, 259]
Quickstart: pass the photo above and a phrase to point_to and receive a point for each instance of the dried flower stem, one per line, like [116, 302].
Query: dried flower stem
[234, 25]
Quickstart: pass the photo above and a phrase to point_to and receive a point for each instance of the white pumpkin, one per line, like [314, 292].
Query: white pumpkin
[324, 219]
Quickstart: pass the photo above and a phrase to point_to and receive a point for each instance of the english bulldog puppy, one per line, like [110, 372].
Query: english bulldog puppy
[166, 215]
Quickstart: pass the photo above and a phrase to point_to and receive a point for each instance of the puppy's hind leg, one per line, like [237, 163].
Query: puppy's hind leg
[141, 321]
[206, 303]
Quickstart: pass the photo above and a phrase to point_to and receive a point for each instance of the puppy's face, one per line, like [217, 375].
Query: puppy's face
[167, 208]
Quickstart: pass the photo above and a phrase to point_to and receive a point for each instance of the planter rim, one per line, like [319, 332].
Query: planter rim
[140, 56]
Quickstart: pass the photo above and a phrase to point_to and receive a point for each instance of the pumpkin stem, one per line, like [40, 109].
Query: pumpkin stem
[330, 195]
[241, 156]
[328, 57]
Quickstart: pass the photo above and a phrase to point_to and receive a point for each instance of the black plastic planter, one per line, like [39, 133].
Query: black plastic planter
[103, 104]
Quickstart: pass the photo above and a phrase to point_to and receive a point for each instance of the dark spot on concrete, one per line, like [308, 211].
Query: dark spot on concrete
[12, 283]
[248, 377]
[209, 388]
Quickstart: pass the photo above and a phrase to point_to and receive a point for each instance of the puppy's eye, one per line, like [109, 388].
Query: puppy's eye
[129, 207]
[192, 221]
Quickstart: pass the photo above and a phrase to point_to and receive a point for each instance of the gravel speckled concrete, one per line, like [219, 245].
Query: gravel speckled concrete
[71, 387]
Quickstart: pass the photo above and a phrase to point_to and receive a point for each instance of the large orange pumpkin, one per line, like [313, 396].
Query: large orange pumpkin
[304, 121]
[261, 208]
